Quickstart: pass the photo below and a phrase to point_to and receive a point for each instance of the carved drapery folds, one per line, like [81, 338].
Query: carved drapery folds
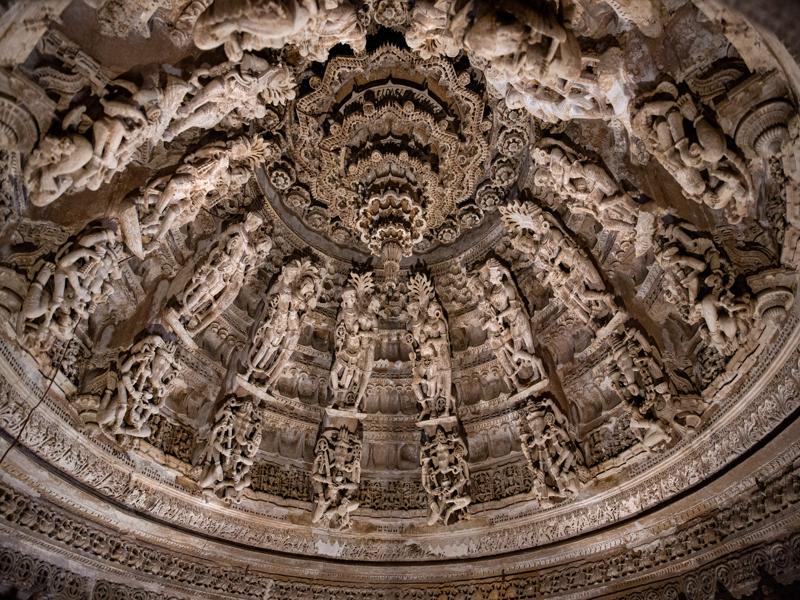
[137, 387]
[67, 287]
[504, 318]
[548, 442]
[336, 473]
[217, 277]
[445, 473]
[354, 341]
[694, 150]
[232, 445]
[430, 357]
[276, 329]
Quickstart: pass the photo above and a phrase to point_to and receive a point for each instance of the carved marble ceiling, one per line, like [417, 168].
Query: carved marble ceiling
[397, 299]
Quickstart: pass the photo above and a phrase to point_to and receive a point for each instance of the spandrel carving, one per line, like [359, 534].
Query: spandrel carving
[430, 356]
[219, 276]
[505, 320]
[354, 341]
[139, 386]
[313, 27]
[232, 445]
[445, 476]
[695, 151]
[548, 442]
[276, 331]
[202, 179]
[335, 476]
[68, 287]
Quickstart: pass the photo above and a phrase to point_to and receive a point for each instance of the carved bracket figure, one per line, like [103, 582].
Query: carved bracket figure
[335, 476]
[445, 476]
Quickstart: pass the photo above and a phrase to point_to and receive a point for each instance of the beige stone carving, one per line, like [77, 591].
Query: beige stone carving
[313, 27]
[430, 357]
[437, 28]
[66, 289]
[445, 476]
[232, 446]
[202, 179]
[235, 92]
[22, 24]
[217, 279]
[547, 440]
[354, 340]
[335, 476]
[276, 329]
[138, 387]
[696, 152]
[505, 320]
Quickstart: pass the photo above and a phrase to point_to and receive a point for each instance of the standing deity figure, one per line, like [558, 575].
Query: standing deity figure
[586, 185]
[203, 178]
[505, 320]
[694, 151]
[354, 342]
[236, 93]
[68, 287]
[699, 281]
[567, 268]
[139, 387]
[335, 476]
[445, 476]
[312, 26]
[218, 278]
[276, 329]
[430, 340]
[232, 446]
[549, 447]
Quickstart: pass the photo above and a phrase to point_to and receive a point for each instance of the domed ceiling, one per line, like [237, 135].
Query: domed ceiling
[398, 299]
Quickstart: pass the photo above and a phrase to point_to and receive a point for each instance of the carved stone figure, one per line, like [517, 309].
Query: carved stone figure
[235, 93]
[140, 384]
[586, 185]
[354, 341]
[549, 447]
[505, 320]
[694, 151]
[232, 445]
[71, 163]
[202, 179]
[437, 28]
[445, 476]
[67, 288]
[276, 330]
[430, 357]
[566, 267]
[335, 476]
[218, 278]
[312, 26]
